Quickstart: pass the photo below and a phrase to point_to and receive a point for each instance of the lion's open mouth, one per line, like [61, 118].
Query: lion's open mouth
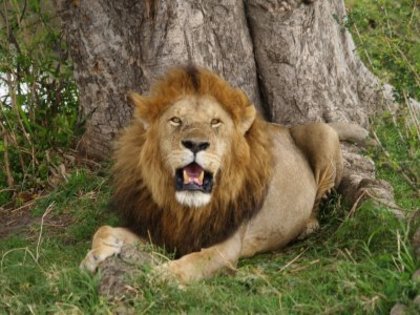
[193, 177]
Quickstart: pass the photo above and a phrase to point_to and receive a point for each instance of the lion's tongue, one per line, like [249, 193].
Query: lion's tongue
[193, 174]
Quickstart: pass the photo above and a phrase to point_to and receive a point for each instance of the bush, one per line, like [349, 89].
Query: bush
[38, 95]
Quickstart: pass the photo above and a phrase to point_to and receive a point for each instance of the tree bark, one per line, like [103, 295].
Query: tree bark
[307, 65]
[300, 52]
[119, 46]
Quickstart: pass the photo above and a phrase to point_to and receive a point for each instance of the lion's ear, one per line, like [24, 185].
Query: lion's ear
[248, 118]
[140, 108]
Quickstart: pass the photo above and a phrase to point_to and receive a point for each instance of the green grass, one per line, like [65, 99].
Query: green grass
[51, 281]
[357, 265]
[386, 34]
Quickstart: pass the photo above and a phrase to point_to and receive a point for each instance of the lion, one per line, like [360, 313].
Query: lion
[199, 172]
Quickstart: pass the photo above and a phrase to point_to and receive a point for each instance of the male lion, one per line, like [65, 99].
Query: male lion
[199, 172]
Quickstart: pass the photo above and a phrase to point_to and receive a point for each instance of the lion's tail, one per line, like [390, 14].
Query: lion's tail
[352, 133]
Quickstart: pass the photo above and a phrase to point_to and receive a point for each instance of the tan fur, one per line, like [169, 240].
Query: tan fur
[268, 179]
[144, 186]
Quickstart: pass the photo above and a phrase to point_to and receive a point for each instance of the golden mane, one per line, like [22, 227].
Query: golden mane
[144, 191]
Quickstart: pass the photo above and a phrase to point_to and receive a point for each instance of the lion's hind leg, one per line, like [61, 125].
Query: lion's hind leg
[321, 146]
[325, 182]
[107, 242]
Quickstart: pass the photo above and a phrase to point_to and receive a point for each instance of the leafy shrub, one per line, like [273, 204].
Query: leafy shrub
[38, 95]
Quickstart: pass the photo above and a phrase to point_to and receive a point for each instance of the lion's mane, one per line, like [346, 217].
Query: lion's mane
[144, 190]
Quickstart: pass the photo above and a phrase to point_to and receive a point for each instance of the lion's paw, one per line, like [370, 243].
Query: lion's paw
[180, 272]
[109, 247]
[165, 273]
[311, 227]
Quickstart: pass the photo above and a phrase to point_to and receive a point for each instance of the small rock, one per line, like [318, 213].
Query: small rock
[416, 301]
[398, 309]
[123, 310]
[119, 273]
[416, 276]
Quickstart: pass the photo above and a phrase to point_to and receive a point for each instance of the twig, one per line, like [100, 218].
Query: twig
[9, 176]
[15, 107]
[399, 250]
[412, 115]
[292, 261]
[31, 309]
[23, 206]
[55, 225]
[412, 12]
[346, 250]
[47, 211]
[26, 250]
[365, 192]
[316, 261]
[364, 49]
[413, 70]
[387, 20]
[8, 125]
[25, 4]
[356, 203]
[384, 202]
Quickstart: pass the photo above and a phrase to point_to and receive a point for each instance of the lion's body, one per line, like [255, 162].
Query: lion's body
[275, 225]
[264, 180]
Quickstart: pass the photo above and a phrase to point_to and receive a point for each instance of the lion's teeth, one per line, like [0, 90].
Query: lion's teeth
[186, 177]
[201, 178]
[193, 179]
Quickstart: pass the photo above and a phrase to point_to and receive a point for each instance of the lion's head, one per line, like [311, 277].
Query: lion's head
[195, 162]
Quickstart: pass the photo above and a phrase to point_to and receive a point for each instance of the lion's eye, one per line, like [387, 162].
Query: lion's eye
[215, 122]
[175, 121]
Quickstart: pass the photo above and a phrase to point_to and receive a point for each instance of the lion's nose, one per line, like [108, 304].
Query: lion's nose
[195, 146]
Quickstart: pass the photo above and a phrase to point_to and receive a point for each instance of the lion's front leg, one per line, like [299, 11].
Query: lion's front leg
[205, 263]
[107, 242]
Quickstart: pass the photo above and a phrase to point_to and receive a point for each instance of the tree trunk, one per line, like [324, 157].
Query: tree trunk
[300, 52]
[119, 46]
[307, 65]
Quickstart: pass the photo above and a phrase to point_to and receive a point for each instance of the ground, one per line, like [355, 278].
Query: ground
[358, 264]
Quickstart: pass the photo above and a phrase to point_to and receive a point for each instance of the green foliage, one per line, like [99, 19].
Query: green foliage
[387, 38]
[399, 154]
[39, 102]
[386, 33]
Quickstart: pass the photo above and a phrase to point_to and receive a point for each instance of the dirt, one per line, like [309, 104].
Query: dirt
[20, 220]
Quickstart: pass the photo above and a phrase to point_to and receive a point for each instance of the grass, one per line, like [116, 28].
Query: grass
[357, 265]
[386, 34]
[42, 283]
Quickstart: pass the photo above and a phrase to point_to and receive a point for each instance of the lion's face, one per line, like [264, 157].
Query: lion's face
[195, 143]
[194, 137]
